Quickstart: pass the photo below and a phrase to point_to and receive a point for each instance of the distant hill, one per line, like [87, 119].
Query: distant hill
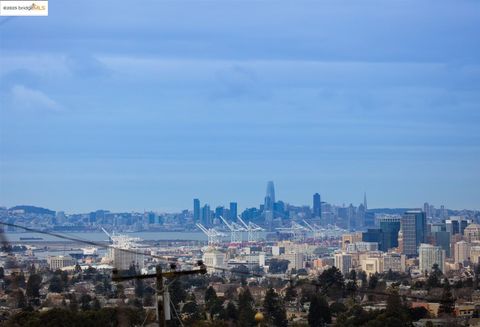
[34, 210]
[390, 211]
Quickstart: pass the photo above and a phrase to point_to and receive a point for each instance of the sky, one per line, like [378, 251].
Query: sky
[147, 105]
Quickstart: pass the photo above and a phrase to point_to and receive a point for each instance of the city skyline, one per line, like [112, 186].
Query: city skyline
[199, 203]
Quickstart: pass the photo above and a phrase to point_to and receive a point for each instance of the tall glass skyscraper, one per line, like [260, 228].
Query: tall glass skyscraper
[233, 211]
[269, 203]
[390, 227]
[317, 206]
[414, 228]
[196, 210]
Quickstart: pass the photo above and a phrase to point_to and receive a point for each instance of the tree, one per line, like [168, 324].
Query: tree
[434, 277]
[73, 306]
[447, 303]
[21, 302]
[210, 297]
[56, 284]
[352, 275]
[395, 307]
[231, 312]
[96, 304]
[274, 309]
[363, 277]
[77, 269]
[319, 313]
[177, 292]
[418, 313]
[278, 266]
[85, 302]
[337, 307]
[33, 286]
[19, 280]
[246, 312]
[331, 282]
[373, 282]
[290, 293]
[351, 288]
[139, 288]
[191, 310]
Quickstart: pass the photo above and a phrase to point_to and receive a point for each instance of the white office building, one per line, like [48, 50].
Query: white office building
[60, 261]
[214, 258]
[461, 252]
[343, 262]
[430, 255]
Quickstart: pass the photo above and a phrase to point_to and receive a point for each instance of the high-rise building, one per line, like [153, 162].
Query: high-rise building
[475, 254]
[456, 225]
[219, 211]
[296, 260]
[443, 212]
[351, 216]
[430, 255]
[369, 219]
[365, 201]
[472, 233]
[426, 209]
[414, 227]
[206, 216]
[394, 261]
[360, 216]
[442, 239]
[270, 196]
[317, 206]
[343, 262]
[196, 210]
[374, 235]
[461, 252]
[233, 211]
[390, 227]
[351, 238]
[269, 204]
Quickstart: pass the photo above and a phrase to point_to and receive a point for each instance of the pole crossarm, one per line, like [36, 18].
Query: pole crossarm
[167, 274]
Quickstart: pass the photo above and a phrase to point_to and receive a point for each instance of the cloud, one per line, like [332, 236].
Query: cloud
[25, 98]
[239, 82]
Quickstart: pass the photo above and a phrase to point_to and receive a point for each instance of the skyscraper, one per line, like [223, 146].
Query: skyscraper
[269, 203]
[390, 227]
[461, 252]
[414, 226]
[317, 206]
[365, 200]
[219, 211]
[430, 255]
[456, 224]
[270, 196]
[426, 209]
[196, 210]
[206, 216]
[233, 211]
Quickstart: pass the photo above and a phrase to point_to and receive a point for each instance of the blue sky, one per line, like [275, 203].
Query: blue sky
[148, 105]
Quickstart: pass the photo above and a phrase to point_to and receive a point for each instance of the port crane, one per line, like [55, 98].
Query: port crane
[253, 230]
[236, 231]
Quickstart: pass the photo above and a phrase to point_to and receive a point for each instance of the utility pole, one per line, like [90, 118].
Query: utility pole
[161, 295]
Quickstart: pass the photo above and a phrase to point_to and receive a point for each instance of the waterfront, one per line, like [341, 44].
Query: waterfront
[101, 237]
